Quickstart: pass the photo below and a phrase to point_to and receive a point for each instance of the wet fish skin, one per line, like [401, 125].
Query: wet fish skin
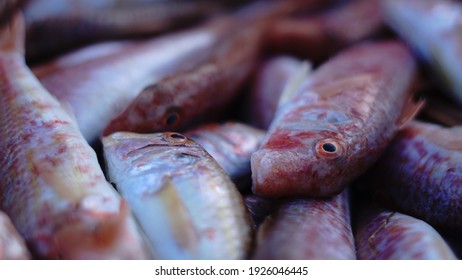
[433, 29]
[52, 186]
[96, 97]
[420, 174]
[268, 85]
[12, 245]
[316, 229]
[386, 235]
[183, 200]
[318, 36]
[231, 144]
[182, 101]
[336, 124]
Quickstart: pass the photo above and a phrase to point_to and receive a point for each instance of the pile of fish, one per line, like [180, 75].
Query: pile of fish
[296, 129]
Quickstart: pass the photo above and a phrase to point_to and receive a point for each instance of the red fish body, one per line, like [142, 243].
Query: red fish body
[420, 174]
[332, 127]
[316, 229]
[52, 185]
[387, 235]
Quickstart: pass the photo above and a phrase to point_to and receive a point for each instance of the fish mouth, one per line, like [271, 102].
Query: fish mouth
[278, 173]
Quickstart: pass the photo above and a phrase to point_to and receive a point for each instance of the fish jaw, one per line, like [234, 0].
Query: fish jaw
[277, 173]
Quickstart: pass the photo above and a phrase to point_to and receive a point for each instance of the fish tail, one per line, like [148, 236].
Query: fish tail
[12, 35]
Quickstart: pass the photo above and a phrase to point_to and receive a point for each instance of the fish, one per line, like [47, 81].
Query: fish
[433, 29]
[179, 102]
[383, 234]
[303, 228]
[317, 36]
[52, 187]
[231, 144]
[259, 207]
[335, 123]
[99, 88]
[58, 33]
[183, 200]
[267, 86]
[420, 175]
[12, 245]
[182, 101]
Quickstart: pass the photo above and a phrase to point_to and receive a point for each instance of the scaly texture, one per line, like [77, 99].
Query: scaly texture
[333, 126]
[317, 229]
[52, 186]
[231, 144]
[386, 235]
[183, 200]
[420, 174]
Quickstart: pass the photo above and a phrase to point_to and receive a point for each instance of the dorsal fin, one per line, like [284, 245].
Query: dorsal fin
[12, 36]
[295, 82]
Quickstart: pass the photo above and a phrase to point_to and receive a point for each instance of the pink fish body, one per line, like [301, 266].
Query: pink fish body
[52, 185]
[317, 229]
[387, 235]
[330, 129]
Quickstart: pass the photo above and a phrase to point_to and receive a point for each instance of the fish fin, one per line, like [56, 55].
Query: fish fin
[12, 36]
[410, 109]
[180, 221]
[295, 82]
[69, 110]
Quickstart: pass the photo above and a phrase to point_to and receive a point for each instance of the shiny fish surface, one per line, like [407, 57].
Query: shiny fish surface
[420, 174]
[316, 229]
[99, 89]
[332, 127]
[52, 187]
[387, 235]
[433, 28]
[12, 246]
[231, 144]
[271, 78]
[183, 200]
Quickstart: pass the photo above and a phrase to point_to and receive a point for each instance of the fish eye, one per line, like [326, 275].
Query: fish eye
[177, 137]
[328, 148]
[172, 116]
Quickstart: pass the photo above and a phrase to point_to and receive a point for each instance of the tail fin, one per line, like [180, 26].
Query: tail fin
[12, 35]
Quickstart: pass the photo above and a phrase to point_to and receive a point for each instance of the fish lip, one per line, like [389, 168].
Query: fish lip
[278, 173]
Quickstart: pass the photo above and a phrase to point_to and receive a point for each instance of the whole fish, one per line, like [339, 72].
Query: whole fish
[56, 34]
[420, 174]
[231, 144]
[433, 29]
[268, 85]
[12, 246]
[178, 102]
[317, 36]
[183, 200]
[387, 235]
[52, 186]
[331, 127]
[316, 229]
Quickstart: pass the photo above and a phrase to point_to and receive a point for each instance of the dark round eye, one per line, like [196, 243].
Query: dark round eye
[328, 148]
[177, 136]
[172, 118]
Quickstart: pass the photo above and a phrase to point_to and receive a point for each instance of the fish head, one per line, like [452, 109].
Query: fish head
[302, 163]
